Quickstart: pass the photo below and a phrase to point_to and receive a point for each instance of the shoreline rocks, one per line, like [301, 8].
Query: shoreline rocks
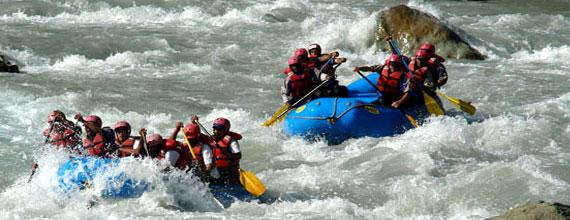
[537, 211]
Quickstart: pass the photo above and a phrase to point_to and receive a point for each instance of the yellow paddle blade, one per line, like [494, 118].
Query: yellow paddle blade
[431, 105]
[460, 104]
[412, 120]
[275, 117]
[251, 183]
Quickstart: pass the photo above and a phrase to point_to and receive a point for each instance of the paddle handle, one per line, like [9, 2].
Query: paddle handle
[203, 128]
[201, 172]
[31, 175]
[143, 139]
[34, 167]
[400, 54]
[189, 145]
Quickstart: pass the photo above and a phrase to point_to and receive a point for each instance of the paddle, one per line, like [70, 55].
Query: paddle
[274, 118]
[49, 132]
[367, 80]
[248, 179]
[200, 172]
[34, 164]
[285, 108]
[143, 139]
[459, 104]
[430, 103]
[412, 120]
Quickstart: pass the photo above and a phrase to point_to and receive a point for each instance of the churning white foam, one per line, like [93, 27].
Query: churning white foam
[548, 55]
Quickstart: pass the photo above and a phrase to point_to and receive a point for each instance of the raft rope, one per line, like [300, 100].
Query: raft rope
[333, 118]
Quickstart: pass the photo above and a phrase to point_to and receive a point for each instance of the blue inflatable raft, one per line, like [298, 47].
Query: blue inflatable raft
[336, 119]
[79, 173]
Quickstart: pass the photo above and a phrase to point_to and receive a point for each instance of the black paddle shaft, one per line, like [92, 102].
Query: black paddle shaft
[143, 139]
[367, 80]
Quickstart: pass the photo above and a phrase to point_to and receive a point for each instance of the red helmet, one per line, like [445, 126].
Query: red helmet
[301, 52]
[122, 124]
[294, 61]
[154, 139]
[395, 58]
[170, 144]
[315, 46]
[430, 48]
[222, 124]
[192, 130]
[422, 54]
[94, 119]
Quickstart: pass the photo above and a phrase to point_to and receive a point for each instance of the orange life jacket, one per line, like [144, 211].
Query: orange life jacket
[128, 144]
[389, 82]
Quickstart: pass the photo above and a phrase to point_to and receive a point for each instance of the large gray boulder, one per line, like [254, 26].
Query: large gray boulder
[7, 66]
[536, 211]
[411, 27]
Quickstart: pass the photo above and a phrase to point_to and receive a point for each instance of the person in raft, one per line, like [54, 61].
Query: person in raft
[393, 83]
[99, 141]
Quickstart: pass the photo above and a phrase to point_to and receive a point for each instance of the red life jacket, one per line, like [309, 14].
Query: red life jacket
[103, 144]
[183, 160]
[197, 149]
[301, 84]
[287, 70]
[94, 147]
[222, 153]
[420, 73]
[389, 82]
[183, 154]
[66, 139]
[128, 144]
